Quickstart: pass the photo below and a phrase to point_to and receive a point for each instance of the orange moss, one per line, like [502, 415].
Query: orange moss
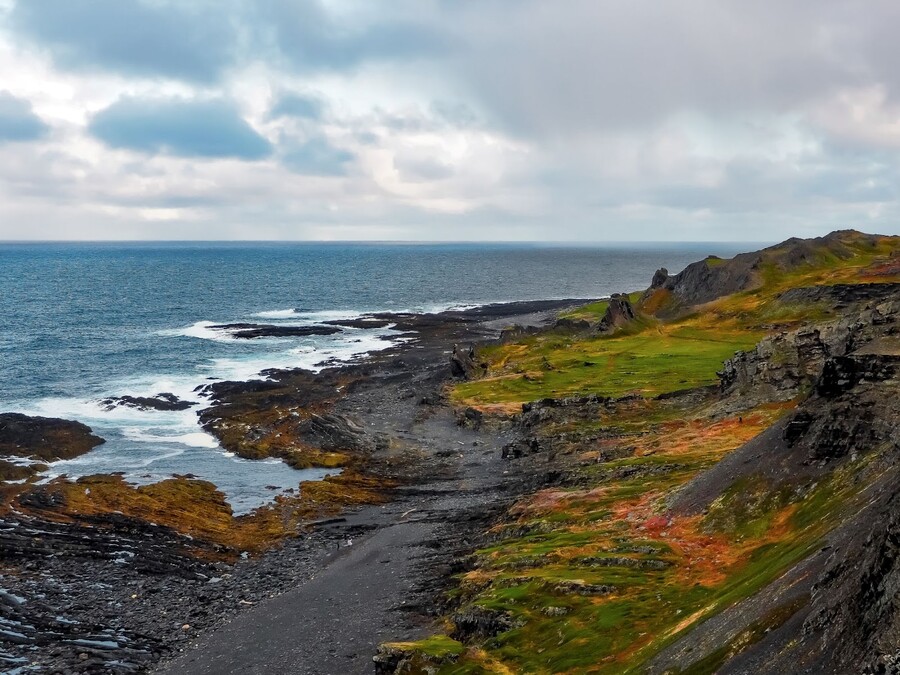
[197, 508]
[657, 301]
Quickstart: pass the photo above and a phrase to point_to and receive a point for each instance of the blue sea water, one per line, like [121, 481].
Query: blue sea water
[81, 322]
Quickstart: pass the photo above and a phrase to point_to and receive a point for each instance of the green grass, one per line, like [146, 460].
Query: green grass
[592, 312]
[649, 362]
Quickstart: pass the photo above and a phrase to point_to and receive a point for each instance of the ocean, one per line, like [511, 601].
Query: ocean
[80, 322]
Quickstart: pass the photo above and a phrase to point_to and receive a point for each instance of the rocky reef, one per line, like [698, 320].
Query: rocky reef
[165, 401]
[28, 443]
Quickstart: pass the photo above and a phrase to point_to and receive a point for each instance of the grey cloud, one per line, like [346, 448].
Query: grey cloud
[181, 127]
[310, 38]
[542, 71]
[18, 121]
[316, 156]
[415, 167]
[302, 106]
[193, 42]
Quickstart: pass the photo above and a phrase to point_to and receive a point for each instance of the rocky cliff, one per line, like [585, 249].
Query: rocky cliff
[747, 522]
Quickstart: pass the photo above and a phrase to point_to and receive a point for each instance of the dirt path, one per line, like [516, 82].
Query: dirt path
[371, 589]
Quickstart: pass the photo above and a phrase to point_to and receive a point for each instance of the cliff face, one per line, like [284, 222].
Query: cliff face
[785, 365]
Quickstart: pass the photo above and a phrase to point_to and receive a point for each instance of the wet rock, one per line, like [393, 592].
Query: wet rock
[362, 322]
[164, 402]
[251, 331]
[45, 438]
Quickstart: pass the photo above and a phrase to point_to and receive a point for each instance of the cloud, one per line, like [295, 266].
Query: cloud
[17, 120]
[316, 157]
[192, 42]
[543, 72]
[416, 167]
[181, 127]
[503, 119]
[298, 105]
[312, 37]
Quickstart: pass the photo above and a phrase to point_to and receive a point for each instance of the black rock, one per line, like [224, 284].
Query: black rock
[659, 278]
[45, 438]
[463, 363]
[164, 402]
[250, 331]
[619, 313]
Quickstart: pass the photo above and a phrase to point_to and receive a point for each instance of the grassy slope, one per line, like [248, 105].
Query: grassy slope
[603, 581]
[654, 357]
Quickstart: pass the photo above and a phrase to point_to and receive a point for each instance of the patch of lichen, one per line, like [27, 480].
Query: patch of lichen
[198, 509]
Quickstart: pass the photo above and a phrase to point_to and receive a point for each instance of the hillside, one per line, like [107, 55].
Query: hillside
[719, 466]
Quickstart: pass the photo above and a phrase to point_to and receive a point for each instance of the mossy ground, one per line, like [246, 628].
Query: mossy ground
[196, 508]
[654, 360]
[605, 578]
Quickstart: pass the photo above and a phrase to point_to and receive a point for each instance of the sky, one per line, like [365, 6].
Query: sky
[505, 120]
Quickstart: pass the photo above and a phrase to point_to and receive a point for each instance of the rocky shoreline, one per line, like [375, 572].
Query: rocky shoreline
[102, 577]
[640, 483]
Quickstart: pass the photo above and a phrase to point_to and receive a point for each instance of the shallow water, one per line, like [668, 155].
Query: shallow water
[81, 322]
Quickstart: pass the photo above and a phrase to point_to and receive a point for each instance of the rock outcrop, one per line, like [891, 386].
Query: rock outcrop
[713, 278]
[332, 432]
[783, 366]
[251, 331]
[163, 402]
[44, 438]
[464, 364]
[618, 314]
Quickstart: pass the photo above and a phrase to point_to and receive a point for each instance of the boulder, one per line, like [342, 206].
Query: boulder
[480, 623]
[660, 277]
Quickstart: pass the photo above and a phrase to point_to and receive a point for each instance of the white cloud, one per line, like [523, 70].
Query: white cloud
[707, 119]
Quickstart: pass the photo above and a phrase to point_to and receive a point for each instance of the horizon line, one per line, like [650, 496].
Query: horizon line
[534, 242]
